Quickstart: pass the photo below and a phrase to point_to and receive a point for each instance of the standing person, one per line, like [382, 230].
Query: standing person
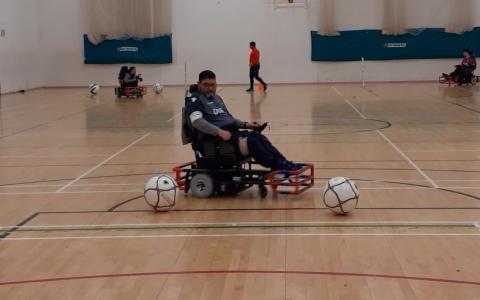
[254, 63]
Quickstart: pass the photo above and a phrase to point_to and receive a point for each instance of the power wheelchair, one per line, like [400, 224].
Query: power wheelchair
[461, 77]
[135, 90]
[130, 91]
[219, 168]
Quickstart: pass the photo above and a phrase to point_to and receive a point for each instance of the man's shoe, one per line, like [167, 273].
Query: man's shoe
[249, 90]
[265, 87]
[291, 166]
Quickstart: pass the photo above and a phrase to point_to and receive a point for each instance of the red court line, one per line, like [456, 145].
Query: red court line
[267, 272]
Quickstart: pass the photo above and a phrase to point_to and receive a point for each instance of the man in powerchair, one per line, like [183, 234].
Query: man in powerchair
[210, 117]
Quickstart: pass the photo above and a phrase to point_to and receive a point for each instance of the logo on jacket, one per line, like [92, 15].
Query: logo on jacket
[217, 111]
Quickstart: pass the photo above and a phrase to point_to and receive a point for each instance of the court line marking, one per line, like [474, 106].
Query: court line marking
[239, 225]
[79, 192]
[409, 160]
[174, 117]
[313, 188]
[19, 225]
[430, 180]
[358, 234]
[409, 223]
[448, 150]
[16, 133]
[51, 156]
[248, 272]
[455, 103]
[142, 183]
[412, 188]
[101, 163]
[77, 185]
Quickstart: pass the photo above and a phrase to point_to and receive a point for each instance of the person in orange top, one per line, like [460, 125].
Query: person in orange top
[255, 67]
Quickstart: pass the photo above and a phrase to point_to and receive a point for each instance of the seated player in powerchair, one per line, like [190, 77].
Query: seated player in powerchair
[121, 75]
[131, 78]
[209, 115]
[464, 72]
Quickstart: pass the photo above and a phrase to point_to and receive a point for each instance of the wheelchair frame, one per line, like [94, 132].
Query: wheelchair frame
[243, 177]
[451, 80]
[130, 91]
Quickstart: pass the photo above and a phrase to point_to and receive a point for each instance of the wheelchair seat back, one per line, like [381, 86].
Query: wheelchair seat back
[210, 151]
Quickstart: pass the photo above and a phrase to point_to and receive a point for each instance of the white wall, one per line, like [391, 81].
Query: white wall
[214, 34]
[19, 49]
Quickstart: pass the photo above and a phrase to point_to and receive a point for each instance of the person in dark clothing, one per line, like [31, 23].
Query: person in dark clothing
[131, 78]
[254, 63]
[209, 115]
[121, 75]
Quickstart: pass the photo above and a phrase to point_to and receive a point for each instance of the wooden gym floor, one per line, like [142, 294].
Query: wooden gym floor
[70, 163]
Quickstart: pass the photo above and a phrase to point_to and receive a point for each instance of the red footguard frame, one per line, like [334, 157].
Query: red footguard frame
[297, 182]
[134, 90]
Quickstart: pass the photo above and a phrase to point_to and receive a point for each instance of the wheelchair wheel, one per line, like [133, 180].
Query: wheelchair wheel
[202, 185]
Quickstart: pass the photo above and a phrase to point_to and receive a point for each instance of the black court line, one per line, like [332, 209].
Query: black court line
[356, 179]
[457, 104]
[112, 209]
[19, 225]
[124, 202]
[251, 209]
[140, 164]
[51, 121]
[371, 92]
[385, 125]
[463, 106]
[319, 161]
[142, 174]
[280, 143]
[170, 171]
[65, 179]
[317, 169]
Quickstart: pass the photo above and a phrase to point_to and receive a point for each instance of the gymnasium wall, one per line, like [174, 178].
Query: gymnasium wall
[214, 34]
[20, 54]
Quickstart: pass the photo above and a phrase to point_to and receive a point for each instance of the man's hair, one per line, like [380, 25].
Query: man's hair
[253, 44]
[207, 74]
[468, 51]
